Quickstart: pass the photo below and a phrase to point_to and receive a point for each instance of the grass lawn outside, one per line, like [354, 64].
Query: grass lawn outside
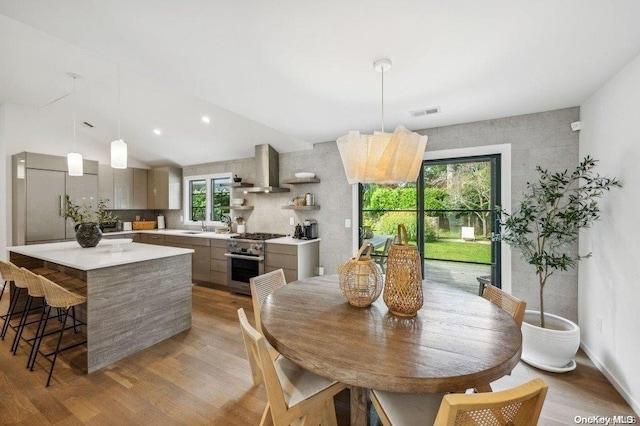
[465, 251]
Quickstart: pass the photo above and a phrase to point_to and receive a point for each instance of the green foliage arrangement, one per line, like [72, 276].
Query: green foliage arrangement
[83, 214]
[550, 216]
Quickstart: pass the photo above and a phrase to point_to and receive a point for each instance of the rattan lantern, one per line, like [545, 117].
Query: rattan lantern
[403, 286]
[361, 278]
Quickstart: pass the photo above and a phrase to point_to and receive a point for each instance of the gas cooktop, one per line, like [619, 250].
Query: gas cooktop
[260, 236]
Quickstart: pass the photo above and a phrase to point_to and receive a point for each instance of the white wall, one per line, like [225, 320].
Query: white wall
[543, 139]
[26, 129]
[608, 282]
[5, 174]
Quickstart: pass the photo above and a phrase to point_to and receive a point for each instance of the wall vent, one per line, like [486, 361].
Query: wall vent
[423, 112]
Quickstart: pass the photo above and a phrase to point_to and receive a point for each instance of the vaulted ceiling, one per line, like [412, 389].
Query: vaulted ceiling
[293, 73]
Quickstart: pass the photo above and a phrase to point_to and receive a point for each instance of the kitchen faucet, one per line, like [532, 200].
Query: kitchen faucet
[204, 228]
[227, 221]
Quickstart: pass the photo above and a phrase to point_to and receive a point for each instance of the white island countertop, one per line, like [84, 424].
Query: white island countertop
[104, 255]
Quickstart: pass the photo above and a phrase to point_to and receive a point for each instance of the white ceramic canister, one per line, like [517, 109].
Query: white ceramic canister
[309, 201]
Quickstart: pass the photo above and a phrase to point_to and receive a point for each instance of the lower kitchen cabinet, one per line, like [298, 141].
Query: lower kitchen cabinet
[152, 239]
[218, 262]
[209, 265]
[201, 262]
[297, 261]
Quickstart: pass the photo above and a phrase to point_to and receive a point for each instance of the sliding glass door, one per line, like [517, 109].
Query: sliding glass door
[449, 214]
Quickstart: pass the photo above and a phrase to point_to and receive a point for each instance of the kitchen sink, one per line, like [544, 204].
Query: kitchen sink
[192, 232]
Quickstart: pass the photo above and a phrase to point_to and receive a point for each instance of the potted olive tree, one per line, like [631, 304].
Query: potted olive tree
[543, 227]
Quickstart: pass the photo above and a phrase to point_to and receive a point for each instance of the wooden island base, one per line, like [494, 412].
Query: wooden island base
[130, 306]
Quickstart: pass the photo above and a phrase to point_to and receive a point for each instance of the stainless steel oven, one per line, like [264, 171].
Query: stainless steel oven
[245, 260]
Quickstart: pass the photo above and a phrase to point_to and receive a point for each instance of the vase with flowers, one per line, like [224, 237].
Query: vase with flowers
[88, 222]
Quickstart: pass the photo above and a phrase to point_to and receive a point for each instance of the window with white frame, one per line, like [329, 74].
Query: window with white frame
[205, 197]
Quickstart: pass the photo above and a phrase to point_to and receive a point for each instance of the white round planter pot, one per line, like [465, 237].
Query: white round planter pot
[552, 348]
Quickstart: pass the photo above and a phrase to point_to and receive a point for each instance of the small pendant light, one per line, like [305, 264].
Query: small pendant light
[74, 159]
[118, 146]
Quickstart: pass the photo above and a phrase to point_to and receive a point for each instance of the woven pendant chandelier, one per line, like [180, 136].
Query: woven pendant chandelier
[383, 158]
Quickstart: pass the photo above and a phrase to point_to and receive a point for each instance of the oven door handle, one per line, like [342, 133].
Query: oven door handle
[240, 256]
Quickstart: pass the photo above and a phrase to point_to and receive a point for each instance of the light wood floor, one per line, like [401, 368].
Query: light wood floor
[202, 377]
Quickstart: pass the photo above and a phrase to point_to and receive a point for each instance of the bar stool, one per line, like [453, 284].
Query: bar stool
[5, 273]
[35, 292]
[18, 281]
[9, 273]
[57, 297]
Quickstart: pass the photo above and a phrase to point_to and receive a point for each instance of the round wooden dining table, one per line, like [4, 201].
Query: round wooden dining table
[457, 340]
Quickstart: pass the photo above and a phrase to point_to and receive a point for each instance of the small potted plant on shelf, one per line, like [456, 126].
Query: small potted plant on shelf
[88, 223]
[543, 227]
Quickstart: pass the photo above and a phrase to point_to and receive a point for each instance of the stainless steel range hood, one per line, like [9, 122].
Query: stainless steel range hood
[267, 170]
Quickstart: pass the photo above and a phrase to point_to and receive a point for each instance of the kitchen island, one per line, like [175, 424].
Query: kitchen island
[137, 294]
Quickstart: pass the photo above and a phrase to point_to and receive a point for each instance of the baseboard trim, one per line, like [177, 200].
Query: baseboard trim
[635, 405]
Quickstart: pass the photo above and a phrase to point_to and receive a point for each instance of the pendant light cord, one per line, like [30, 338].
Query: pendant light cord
[119, 102]
[74, 114]
[382, 108]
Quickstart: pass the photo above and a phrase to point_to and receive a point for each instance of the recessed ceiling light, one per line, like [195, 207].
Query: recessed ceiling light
[206, 119]
[157, 131]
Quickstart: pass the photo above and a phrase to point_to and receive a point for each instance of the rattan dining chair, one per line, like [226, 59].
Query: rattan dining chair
[380, 257]
[512, 305]
[508, 303]
[261, 287]
[294, 394]
[517, 406]
[57, 297]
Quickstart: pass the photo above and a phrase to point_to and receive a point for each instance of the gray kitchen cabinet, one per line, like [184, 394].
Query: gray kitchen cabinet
[83, 191]
[164, 188]
[140, 189]
[152, 239]
[105, 184]
[200, 261]
[45, 189]
[122, 189]
[39, 184]
[297, 261]
[126, 189]
[218, 262]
